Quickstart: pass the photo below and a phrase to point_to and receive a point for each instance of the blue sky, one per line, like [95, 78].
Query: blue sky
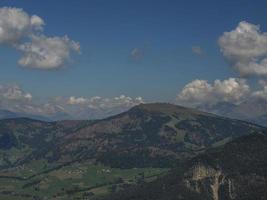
[108, 31]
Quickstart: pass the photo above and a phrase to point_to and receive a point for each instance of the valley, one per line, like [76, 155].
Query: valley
[90, 159]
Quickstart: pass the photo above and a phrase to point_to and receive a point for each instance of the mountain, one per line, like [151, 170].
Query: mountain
[93, 113]
[151, 132]
[238, 171]
[24, 139]
[7, 114]
[57, 113]
[225, 109]
[253, 110]
[77, 158]
[158, 135]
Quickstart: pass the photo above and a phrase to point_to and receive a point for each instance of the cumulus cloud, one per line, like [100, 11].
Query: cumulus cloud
[39, 51]
[197, 50]
[15, 24]
[47, 52]
[136, 54]
[37, 22]
[97, 102]
[195, 92]
[14, 98]
[200, 92]
[261, 93]
[76, 100]
[245, 48]
[99, 107]
[13, 92]
[231, 90]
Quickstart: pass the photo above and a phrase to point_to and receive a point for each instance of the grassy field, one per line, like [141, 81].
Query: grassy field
[75, 181]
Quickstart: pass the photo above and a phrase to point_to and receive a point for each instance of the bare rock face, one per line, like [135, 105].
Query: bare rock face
[235, 172]
[201, 178]
[205, 179]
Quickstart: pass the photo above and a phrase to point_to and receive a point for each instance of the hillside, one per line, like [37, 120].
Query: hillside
[253, 110]
[7, 114]
[235, 171]
[158, 135]
[149, 133]
[75, 158]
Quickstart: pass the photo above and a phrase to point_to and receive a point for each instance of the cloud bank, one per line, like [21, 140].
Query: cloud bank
[200, 92]
[103, 103]
[14, 92]
[14, 98]
[245, 48]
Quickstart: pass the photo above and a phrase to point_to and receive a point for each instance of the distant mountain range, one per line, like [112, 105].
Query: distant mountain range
[254, 110]
[6, 114]
[159, 132]
[67, 159]
[58, 113]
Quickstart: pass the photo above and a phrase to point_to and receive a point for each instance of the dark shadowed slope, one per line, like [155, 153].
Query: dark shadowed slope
[157, 135]
[77, 159]
[152, 134]
[7, 114]
[236, 171]
[254, 110]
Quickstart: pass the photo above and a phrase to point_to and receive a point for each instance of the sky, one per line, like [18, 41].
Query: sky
[134, 51]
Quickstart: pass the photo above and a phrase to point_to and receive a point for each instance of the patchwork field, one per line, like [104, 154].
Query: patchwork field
[37, 180]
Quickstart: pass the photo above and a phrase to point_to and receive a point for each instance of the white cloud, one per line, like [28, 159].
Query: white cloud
[39, 51]
[231, 90]
[197, 91]
[47, 52]
[14, 98]
[197, 50]
[37, 22]
[121, 100]
[13, 92]
[200, 92]
[137, 54]
[99, 107]
[262, 93]
[76, 100]
[97, 102]
[15, 24]
[246, 49]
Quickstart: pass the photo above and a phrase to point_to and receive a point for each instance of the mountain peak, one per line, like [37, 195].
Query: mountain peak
[166, 108]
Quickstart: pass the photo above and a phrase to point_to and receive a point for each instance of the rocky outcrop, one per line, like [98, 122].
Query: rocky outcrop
[206, 179]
